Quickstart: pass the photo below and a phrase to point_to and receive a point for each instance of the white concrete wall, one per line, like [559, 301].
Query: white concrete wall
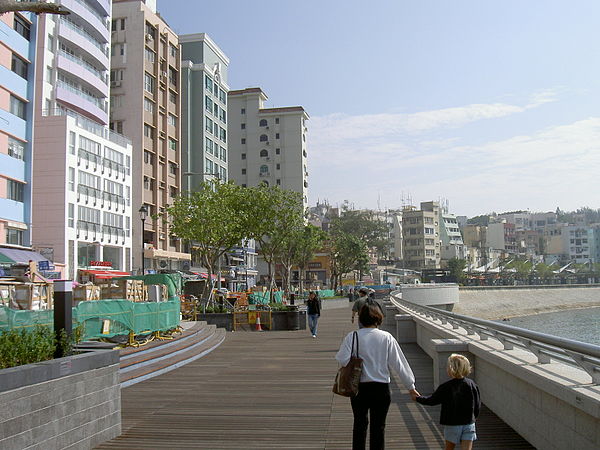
[430, 294]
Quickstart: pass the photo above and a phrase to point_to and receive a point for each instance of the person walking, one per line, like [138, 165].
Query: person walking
[460, 401]
[313, 310]
[380, 352]
[363, 296]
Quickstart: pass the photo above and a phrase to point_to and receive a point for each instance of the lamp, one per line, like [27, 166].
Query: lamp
[143, 215]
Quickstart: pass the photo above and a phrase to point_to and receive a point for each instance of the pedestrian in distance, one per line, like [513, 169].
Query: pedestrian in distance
[363, 295]
[460, 401]
[313, 311]
[379, 352]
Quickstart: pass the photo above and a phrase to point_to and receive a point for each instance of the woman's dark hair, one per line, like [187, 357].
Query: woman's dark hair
[370, 314]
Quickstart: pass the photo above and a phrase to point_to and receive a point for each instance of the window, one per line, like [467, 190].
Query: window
[209, 146]
[278, 182]
[243, 156]
[21, 26]
[117, 49]
[243, 126]
[173, 50]
[148, 157]
[243, 111]
[172, 144]
[71, 215]
[243, 171]
[150, 55]
[49, 74]
[72, 140]
[172, 120]
[277, 151]
[264, 153]
[263, 123]
[150, 30]
[277, 120]
[223, 154]
[222, 96]
[243, 141]
[223, 115]
[173, 76]
[15, 190]
[278, 167]
[148, 131]
[223, 134]
[14, 236]
[148, 105]
[264, 170]
[172, 97]
[263, 138]
[172, 191]
[172, 169]
[19, 66]
[17, 107]
[208, 83]
[208, 166]
[50, 44]
[149, 82]
[276, 135]
[209, 125]
[208, 104]
[116, 126]
[16, 148]
[71, 179]
[148, 183]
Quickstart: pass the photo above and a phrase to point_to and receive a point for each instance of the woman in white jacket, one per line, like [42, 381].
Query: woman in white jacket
[379, 351]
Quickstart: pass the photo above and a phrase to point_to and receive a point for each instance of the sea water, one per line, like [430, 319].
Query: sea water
[579, 324]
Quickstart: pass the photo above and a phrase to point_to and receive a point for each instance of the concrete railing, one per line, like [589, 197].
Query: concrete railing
[542, 386]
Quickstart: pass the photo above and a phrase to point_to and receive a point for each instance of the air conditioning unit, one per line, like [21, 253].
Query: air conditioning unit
[149, 37]
[115, 83]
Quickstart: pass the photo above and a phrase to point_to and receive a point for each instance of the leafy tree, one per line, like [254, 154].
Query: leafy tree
[544, 271]
[482, 220]
[347, 252]
[272, 217]
[299, 249]
[456, 268]
[364, 225]
[212, 219]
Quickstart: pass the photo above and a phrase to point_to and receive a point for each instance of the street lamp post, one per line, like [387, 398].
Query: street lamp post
[143, 215]
[245, 253]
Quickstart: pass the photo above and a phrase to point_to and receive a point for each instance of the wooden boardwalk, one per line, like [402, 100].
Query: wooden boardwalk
[272, 390]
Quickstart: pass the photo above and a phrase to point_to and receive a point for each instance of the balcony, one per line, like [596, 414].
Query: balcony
[97, 22]
[88, 159]
[84, 41]
[93, 79]
[80, 101]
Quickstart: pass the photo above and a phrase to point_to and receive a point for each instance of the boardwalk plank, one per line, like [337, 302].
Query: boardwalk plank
[272, 390]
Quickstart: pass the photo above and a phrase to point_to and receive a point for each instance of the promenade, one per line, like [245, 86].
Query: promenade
[272, 390]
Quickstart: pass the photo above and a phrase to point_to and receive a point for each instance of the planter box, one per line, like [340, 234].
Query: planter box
[280, 320]
[72, 402]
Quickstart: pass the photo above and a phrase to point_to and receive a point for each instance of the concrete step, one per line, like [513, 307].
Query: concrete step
[158, 362]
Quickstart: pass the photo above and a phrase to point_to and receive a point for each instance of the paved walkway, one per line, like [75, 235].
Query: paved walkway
[272, 390]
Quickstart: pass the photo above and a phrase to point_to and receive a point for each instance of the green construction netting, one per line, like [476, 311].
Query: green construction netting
[261, 298]
[108, 318]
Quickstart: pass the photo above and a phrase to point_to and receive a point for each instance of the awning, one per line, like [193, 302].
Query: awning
[205, 275]
[105, 274]
[19, 256]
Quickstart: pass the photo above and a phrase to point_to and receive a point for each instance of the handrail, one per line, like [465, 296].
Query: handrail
[544, 346]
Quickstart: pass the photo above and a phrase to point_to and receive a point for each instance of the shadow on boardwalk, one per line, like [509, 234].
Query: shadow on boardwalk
[272, 390]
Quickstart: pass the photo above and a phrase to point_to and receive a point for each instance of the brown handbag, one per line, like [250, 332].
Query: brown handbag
[348, 377]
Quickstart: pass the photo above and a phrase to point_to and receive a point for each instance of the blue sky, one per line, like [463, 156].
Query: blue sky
[493, 105]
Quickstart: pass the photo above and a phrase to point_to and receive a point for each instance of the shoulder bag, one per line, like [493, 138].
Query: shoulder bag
[348, 377]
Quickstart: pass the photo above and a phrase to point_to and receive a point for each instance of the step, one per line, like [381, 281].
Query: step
[128, 352]
[167, 348]
[159, 366]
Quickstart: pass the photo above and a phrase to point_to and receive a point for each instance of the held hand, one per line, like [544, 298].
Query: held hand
[414, 394]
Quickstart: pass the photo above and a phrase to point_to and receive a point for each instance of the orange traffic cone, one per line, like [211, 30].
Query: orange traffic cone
[258, 327]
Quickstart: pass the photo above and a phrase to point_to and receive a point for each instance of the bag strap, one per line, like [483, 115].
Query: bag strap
[354, 337]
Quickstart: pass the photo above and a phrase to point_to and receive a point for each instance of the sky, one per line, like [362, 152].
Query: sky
[492, 105]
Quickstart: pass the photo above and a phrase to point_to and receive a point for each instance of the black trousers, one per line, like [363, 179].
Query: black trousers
[373, 399]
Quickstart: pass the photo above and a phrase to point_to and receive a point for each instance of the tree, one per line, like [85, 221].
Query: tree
[364, 226]
[35, 7]
[272, 216]
[347, 252]
[212, 219]
[298, 249]
[456, 268]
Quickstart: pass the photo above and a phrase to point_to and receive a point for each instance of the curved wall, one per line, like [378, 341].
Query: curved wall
[430, 294]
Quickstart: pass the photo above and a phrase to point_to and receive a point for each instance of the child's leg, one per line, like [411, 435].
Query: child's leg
[450, 445]
[466, 445]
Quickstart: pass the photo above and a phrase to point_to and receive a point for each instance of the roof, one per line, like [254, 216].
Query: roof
[106, 274]
[19, 256]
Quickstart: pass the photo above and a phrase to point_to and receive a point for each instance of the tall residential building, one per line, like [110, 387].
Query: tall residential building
[267, 145]
[204, 110]
[145, 106]
[421, 236]
[502, 236]
[82, 170]
[451, 241]
[17, 54]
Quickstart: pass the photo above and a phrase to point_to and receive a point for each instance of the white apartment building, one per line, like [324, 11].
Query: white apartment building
[421, 236]
[81, 170]
[267, 145]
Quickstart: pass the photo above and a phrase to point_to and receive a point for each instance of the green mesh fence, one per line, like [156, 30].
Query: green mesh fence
[261, 298]
[108, 318]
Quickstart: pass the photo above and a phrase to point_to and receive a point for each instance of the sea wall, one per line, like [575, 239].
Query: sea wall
[510, 301]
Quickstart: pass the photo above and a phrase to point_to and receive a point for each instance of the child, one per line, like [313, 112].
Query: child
[460, 404]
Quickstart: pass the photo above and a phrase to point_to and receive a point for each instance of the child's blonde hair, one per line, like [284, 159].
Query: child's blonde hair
[458, 366]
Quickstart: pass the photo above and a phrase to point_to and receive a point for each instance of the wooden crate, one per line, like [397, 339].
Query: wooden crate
[86, 292]
[33, 296]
